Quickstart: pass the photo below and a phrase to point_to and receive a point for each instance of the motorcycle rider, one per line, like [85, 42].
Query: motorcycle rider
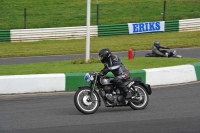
[114, 64]
[156, 50]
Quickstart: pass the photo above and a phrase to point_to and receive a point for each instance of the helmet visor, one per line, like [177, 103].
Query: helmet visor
[100, 57]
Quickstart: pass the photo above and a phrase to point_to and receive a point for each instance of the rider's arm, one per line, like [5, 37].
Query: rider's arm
[105, 70]
[163, 47]
[115, 62]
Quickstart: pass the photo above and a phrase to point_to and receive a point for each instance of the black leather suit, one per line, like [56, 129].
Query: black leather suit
[157, 52]
[114, 64]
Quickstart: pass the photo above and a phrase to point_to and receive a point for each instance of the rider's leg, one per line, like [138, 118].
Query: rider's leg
[119, 83]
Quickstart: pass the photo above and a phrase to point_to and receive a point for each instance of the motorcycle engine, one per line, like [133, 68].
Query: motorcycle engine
[111, 96]
[108, 89]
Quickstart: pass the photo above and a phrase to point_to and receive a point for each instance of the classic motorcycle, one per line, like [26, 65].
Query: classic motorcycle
[169, 52]
[87, 98]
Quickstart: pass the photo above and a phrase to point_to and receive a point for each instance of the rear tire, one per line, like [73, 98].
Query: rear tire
[141, 99]
[85, 103]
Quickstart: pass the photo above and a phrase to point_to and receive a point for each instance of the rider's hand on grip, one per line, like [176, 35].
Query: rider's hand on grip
[104, 71]
[101, 73]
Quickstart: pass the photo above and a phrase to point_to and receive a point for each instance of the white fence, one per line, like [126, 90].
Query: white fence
[66, 33]
[189, 25]
[61, 33]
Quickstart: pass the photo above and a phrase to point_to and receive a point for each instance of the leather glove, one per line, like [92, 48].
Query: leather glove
[101, 73]
[104, 71]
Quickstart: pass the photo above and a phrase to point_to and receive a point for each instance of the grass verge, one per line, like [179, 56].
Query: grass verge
[115, 43]
[68, 67]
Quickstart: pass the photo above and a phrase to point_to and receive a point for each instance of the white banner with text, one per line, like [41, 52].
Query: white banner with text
[143, 27]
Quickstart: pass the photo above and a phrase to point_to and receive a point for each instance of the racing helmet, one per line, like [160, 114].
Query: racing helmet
[157, 44]
[104, 54]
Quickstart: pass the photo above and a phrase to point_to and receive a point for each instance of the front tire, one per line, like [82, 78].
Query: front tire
[85, 102]
[140, 100]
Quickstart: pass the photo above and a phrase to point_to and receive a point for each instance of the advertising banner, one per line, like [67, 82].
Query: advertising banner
[143, 27]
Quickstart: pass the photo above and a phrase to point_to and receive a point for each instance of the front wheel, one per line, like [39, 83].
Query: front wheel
[141, 98]
[86, 101]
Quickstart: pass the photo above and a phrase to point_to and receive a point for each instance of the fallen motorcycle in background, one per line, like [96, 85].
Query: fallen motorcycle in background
[169, 53]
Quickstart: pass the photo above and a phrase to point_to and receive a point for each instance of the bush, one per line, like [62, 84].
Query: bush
[83, 61]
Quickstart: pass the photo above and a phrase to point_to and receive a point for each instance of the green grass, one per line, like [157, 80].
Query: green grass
[65, 13]
[67, 67]
[115, 43]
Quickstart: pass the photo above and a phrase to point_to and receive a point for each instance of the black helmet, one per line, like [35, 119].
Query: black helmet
[104, 54]
[157, 44]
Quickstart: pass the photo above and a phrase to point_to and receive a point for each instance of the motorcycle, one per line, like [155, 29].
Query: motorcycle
[87, 98]
[168, 53]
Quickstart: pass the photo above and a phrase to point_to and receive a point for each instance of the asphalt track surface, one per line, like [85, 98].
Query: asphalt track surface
[186, 52]
[172, 109]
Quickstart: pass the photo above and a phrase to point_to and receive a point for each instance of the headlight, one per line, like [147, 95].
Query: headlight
[88, 77]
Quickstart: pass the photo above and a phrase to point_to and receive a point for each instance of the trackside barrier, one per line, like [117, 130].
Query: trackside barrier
[71, 81]
[4, 35]
[197, 69]
[77, 32]
[171, 75]
[74, 80]
[189, 25]
[60, 33]
[32, 83]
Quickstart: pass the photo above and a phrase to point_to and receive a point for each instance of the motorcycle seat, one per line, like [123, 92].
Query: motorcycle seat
[136, 79]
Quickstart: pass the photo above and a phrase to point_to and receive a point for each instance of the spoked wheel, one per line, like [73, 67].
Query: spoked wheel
[140, 100]
[85, 101]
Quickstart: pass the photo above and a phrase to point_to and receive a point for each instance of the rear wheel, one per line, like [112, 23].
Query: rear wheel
[86, 101]
[141, 98]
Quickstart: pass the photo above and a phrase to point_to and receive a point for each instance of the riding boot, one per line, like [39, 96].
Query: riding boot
[128, 93]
